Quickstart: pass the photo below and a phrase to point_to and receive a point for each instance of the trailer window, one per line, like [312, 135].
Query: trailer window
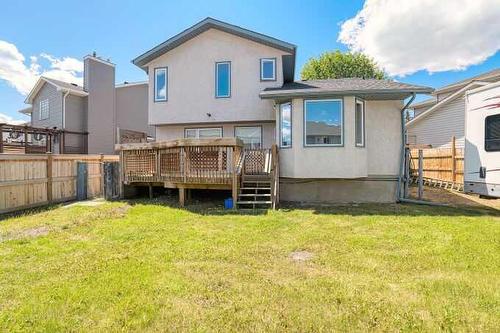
[492, 133]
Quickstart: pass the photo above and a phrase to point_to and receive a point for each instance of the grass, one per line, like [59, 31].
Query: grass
[151, 267]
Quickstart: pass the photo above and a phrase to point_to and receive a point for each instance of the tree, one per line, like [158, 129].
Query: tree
[337, 65]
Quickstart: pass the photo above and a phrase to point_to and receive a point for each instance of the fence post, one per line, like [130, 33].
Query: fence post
[420, 174]
[49, 177]
[453, 159]
[1, 138]
[406, 175]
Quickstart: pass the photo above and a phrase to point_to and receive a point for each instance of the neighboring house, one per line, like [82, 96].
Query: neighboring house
[99, 108]
[339, 140]
[438, 119]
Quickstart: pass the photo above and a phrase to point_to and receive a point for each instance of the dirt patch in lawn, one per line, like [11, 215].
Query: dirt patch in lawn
[455, 198]
[28, 233]
[301, 256]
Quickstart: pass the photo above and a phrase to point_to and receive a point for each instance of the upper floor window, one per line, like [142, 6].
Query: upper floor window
[492, 133]
[44, 110]
[323, 122]
[250, 135]
[268, 69]
[201, 133]
[359, 120]
[223, 79]
[161, 84]
[286, 125]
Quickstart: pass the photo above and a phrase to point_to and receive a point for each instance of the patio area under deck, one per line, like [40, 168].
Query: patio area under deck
[213, 164]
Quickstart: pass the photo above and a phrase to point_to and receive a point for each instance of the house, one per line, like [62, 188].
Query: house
[438, 119]
[338, 140]
[89, 118]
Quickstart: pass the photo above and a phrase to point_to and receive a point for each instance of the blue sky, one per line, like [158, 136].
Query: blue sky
[121, 30]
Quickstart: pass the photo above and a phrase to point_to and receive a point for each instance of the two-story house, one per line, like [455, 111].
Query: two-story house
[89, 118]
[339, 140]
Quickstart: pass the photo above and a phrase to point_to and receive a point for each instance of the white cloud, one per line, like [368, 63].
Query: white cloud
[5, 119]
[434, 35]
[22, 76]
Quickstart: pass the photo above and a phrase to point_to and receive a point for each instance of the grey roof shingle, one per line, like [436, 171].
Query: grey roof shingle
[344, 86]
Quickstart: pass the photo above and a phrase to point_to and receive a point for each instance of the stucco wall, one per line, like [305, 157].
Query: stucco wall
[171, 132]
[191, 81]
[48, 91]
[132, 108]
[380, 156]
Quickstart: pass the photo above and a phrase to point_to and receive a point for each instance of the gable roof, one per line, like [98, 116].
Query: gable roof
[452, 97]
[60, 85]
[488, 76]
[202, 26]
[368, 88]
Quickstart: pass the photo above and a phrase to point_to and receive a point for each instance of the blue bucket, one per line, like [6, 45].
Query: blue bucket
[228, 203]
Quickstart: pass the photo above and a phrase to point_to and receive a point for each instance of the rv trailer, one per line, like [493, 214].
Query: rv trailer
[482, 141]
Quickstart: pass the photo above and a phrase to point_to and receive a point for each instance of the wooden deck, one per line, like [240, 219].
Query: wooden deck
[192, 164]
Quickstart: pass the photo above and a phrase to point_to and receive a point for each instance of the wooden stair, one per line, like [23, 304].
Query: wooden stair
[255, 192]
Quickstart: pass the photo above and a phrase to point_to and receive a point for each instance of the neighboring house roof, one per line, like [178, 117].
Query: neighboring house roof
[26, 111]
[131, 84]
[445, 101]
[210, 23]
[72, 88]
[488, 76]
[424, 103]
[368, 88]
[320, 128]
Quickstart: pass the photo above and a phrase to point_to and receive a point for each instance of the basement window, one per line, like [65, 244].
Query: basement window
[203, 133]
[492, 133]
[250, 135]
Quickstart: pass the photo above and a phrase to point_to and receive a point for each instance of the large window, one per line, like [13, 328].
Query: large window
[268, 69]
[161, 84]
[203, 133]
[223, 79]
[250, 135]
[286, 125]
[359, 121]
[323, 122]
[492, 133]
[44, 110]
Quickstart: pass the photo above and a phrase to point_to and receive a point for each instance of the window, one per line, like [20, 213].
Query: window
[268, 69]
[250, 135]
[359, 120]
[323, 120]
[492, 133]
[222, 79]
[44, 110]
[161, 84]
[203, 133]
[286, 125]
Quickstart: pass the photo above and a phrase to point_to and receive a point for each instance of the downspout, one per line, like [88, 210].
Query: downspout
[64, 110]
[399, 194]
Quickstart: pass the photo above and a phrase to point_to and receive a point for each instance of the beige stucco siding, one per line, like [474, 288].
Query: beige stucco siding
[380, 156]
[132, 109]
[172, 132]
[191, 81]
[438, 127]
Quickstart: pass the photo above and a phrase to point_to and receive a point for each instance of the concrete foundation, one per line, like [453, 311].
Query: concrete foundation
[364, 190]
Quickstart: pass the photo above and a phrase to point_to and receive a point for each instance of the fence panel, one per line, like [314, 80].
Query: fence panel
[446, 164]
[34, 180]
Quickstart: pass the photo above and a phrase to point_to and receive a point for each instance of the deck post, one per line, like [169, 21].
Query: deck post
[150, 187]
[182, 196]
[420, 174]
[236, 154]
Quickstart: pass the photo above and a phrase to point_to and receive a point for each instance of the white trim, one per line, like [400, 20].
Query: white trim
[157, 70]
[273, 60]
[482, 88]
[132, 84]
[217, 79]
[443, 102]
[341, 144]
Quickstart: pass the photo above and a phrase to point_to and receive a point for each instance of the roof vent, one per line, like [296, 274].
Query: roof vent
[94, 54]
[74, 84]
[125, 82]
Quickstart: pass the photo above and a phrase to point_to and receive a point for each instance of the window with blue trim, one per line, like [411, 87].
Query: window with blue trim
[223, 79]
[268, 69]
[161, 84]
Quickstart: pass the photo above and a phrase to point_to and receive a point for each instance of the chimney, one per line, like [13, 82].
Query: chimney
[99, 83]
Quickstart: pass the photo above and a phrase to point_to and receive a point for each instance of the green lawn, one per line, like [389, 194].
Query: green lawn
[151, 267]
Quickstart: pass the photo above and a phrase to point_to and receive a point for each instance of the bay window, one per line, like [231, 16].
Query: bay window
[285, 125]
[323, 122]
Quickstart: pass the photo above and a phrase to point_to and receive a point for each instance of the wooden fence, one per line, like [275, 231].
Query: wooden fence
[33, 180]
[443, 164]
